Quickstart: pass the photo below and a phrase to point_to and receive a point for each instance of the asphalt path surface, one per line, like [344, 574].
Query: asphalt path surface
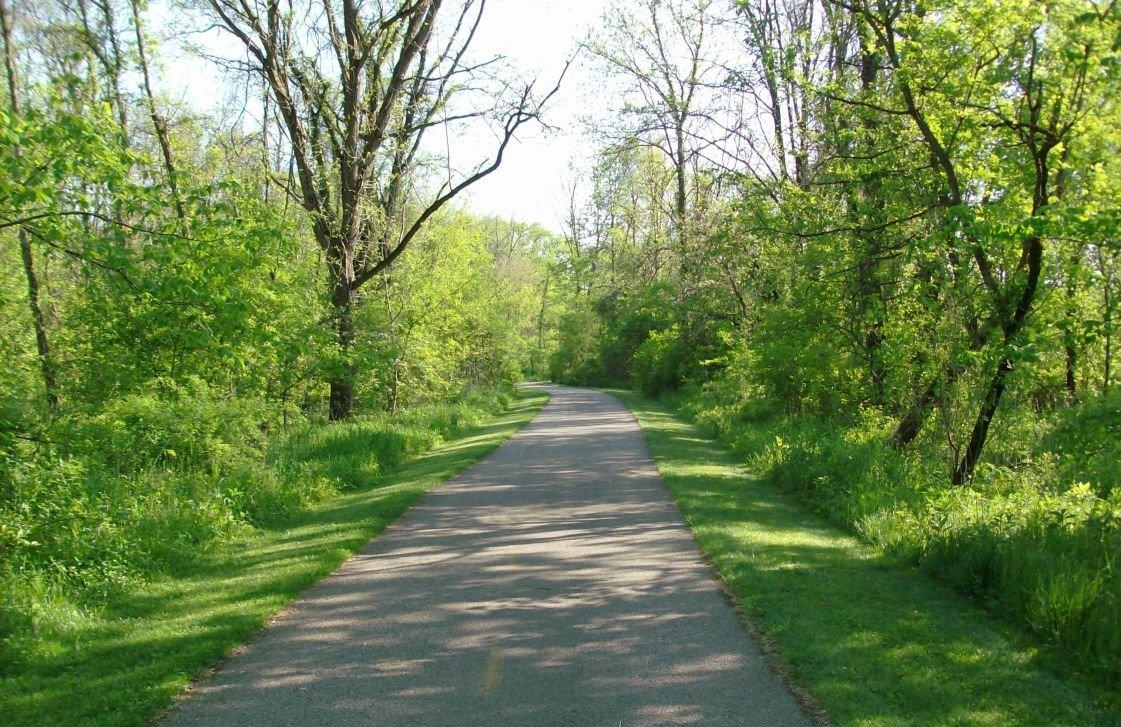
[553, 583]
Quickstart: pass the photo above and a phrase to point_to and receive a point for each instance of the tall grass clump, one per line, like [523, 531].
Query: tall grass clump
[352, 453]
[1035, 536]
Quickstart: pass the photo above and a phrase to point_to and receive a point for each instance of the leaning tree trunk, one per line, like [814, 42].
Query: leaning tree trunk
[1013, 323]
[999, 381]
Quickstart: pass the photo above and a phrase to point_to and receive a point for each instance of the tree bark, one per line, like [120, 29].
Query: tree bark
[913, 419]
[680, 199]
[342, 382]
[538, 363]
[1071, 316]
[1107, 321]
[870, 299]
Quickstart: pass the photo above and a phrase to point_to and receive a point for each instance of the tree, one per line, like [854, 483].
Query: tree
[355, 116]
[42, 342]
[1027, 90]
[159, 123]
[785, 41]
[665, 54]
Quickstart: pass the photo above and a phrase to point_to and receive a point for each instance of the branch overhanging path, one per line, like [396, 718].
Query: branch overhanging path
[552, 583]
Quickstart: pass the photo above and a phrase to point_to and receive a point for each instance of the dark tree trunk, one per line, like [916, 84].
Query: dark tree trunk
[42, 343]
[1070, 349]
[980, 433]
[1013, 322]
[1071, 380]
[1107, 319]
[342, 398]
[342, 382]
[912, 422]
[680, 200]
[870, 295]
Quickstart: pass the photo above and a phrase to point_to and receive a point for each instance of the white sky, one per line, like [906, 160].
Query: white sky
[536, 36]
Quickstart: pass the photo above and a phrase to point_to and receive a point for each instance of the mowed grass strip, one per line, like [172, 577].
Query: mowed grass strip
[126, 666]
[874, 641]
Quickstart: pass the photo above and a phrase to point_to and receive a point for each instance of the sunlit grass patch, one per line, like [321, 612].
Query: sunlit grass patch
[874, 641]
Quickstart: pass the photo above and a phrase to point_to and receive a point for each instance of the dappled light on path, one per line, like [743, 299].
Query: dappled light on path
[553, 583]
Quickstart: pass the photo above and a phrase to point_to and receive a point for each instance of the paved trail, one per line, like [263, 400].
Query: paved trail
[554, 583]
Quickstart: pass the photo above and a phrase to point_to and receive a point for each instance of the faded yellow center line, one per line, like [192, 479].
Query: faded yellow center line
[493, 676]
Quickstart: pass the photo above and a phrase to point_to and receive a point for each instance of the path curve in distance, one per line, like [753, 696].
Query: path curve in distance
[553, 583]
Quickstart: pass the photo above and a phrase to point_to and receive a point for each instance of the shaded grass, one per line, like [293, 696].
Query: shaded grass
[873, 640]
[128, 663]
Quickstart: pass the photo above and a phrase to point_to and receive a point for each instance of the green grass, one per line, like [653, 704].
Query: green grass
[874, 641]
[128, 663]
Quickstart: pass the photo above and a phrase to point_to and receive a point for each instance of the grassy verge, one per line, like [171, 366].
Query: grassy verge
[128, 663]
[874, 641]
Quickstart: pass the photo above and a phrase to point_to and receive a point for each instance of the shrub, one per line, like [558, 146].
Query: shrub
[657, 364]
[1087, 439]
[185, 428]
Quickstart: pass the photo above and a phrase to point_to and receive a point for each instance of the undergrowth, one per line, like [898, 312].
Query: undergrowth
[872, 640]
[1036, 536]
[152, 482]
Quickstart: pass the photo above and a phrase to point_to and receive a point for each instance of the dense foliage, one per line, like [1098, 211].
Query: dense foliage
[168, 335]
[891, 282]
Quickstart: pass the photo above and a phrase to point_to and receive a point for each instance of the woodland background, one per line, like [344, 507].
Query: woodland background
[870, 244]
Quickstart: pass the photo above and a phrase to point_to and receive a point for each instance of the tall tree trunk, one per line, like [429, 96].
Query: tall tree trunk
[1012, 324]
[1070, 313]
[946, 176]
[42, 343]
[1107, 321]
[1070, 316]
[112, 62]
[538, 363]
[870, 295]
[342, 304]
[266, 155]
[680, 196]
[117, 64]
[158, 121]
[342, 382]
